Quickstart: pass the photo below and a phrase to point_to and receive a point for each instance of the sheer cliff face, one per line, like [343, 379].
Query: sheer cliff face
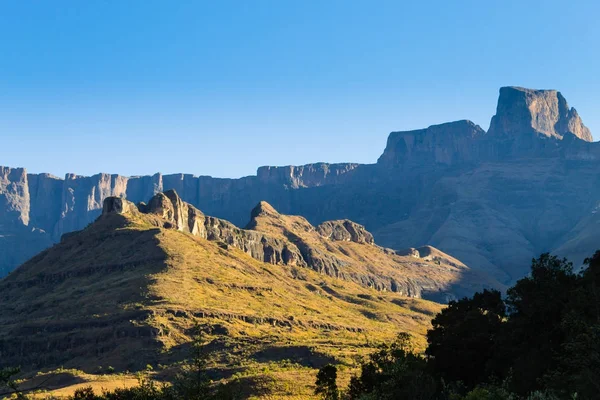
[14, 198]
[23, 214]
[445, 144]
[37, 209]
[494, 199]
[545, 113]
[306, 175]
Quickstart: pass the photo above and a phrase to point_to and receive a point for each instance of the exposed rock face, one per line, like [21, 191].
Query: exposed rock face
[492, 200]
[19, 237]
[305, 175]
[543, 112]
[82, 199]
[411, 252]
[184, 217]
[14, 198]
[447, 144]
[45, 197]
[341, 249]
[141, 188]
[185, 184]
[117, 205]
[162, 206]
[345, 230]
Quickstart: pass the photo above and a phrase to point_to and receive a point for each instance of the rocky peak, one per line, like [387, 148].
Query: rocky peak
[448, 144]
[345, 230]
[540, 112]
[162, 206]
[262, 213]
[263, 208]
[117, 205]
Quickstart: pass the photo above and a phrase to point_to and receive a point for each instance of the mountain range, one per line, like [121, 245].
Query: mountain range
[492, 200]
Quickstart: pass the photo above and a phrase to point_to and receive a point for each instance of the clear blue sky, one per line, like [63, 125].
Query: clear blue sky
[222, 87]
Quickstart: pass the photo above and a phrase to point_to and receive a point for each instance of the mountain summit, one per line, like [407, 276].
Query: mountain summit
[449, 143]
[541, 112]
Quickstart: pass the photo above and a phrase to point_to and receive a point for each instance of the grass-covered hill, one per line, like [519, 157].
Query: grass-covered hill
[129, 290]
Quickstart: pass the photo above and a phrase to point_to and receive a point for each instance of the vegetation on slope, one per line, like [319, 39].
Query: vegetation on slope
[539, 343]
[126, 293]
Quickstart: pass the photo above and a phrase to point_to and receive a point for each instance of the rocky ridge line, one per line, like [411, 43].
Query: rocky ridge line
[177, 214]
[294, 247]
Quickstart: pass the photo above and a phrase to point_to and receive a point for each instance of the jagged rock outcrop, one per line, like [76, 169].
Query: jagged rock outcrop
[184, 217]
[545, 113]
[410, 252]
[345, 230]
[340, 249]
[118, 205]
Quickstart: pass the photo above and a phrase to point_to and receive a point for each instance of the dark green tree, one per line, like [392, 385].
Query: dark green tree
[193, 382]
[579, 358]
[326, 384]
[86, 393]
[394, 372]
[463, 338]
[8, 385]
[533, 335]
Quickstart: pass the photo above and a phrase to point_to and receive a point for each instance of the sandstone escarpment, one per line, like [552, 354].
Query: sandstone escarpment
[20, 235]
[82, 199]
[448, 144]
[14, 198]
[305, 175]
[545, 113]
[45, 201]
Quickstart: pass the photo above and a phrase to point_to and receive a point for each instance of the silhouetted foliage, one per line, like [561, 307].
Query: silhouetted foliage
[326, 384]
[8, 385]
[542, 343]
[394, 372]
[533, 334]
[578, 358]
[463, 337]
[193, 382]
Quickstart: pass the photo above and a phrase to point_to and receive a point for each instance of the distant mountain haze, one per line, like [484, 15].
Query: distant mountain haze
[491, 199]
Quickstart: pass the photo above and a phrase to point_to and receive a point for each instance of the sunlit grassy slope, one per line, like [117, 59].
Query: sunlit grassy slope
[126, 293]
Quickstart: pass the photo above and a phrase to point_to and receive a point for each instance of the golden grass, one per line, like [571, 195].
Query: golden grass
[271, 326]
